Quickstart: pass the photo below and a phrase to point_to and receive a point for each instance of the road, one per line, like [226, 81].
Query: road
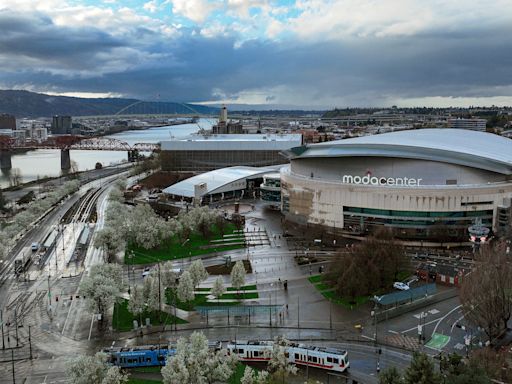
[62, 326]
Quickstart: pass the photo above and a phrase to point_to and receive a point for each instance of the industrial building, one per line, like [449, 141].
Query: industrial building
[423, 184]
[202, 153]
[473, 124]
[220, 184]
[226, 127]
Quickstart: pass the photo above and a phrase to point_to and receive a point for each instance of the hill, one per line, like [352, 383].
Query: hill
[30, 104]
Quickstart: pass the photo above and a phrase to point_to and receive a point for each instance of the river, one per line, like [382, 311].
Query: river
[46, 162]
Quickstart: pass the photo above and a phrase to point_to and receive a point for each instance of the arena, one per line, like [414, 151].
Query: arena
[428, 184]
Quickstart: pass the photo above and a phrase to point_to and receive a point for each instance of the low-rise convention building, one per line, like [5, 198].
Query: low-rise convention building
[202, 153]
[220, 184]
[423, 184]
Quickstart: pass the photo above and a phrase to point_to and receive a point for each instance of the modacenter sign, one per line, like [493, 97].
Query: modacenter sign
[373, 180]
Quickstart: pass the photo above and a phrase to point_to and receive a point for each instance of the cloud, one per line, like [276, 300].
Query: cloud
[151, 6]
[195, 10]
[317, 54]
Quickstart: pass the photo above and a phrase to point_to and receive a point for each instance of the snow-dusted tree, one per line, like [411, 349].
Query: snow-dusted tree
[121, 183]
[238, 275]
[278, 364]
[102, 288]
[194, 363]
[251, 376]
[148, 230]
[168, 275]
[93, 370]
[185, 289]
[151, 292]
[109, 240]
[197, 272]
[114, 375]
[137, 304]
[218, 288]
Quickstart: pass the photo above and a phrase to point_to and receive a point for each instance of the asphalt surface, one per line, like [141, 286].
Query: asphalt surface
[67, 328]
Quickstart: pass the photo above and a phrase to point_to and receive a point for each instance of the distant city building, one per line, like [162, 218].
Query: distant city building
[473, 124]
[7, 121]
[61, 125]
[226, 127]
[201, 153]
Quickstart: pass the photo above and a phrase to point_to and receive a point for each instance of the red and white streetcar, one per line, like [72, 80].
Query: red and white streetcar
[330, 359]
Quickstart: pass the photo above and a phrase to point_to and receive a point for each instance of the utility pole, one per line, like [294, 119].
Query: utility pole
[12, 360]
[49, 296]
[159, 296]
[2, 321]
[16, 324]
[30, 342]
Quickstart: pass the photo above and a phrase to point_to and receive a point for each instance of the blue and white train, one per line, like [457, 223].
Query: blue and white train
[140, 356]
[145, 355]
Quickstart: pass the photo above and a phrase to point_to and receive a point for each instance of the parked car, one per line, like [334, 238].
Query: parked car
[401, 286]
[146, 272]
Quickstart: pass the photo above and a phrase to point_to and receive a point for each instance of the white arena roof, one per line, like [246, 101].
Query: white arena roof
[456, 146]
[234, 142]
[220, 180]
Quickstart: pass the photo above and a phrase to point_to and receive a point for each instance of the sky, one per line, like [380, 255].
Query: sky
[309, 54]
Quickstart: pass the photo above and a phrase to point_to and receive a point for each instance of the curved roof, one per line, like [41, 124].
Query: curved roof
[219, 180]
[456, 146]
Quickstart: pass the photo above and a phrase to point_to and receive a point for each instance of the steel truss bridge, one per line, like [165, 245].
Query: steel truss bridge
[70, 142]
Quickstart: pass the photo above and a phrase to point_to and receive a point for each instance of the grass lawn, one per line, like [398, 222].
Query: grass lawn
[122, 320]
[199, 301]
[238, 374]
[174, 248]
[315, 279]
[143, 381]
[244, 288]
[328, 292]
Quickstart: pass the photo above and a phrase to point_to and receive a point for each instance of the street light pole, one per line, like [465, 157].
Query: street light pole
[2, 321]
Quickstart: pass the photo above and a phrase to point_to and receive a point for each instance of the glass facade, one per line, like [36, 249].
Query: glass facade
[414, 223]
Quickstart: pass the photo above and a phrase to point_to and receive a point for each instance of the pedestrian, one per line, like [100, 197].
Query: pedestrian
[286, 308]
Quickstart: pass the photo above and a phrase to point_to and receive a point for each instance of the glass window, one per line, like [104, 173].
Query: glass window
[329, 359]
[335, 361]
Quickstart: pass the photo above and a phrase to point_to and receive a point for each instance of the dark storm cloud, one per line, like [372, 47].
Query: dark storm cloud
[34, 38]
[189, 68]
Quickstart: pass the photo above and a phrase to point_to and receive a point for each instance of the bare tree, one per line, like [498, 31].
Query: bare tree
[486, 293]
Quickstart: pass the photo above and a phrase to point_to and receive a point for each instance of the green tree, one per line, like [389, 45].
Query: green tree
[390, 376]
[421, 371]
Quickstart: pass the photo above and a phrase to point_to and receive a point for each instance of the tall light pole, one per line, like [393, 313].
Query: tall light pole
[2, 321]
